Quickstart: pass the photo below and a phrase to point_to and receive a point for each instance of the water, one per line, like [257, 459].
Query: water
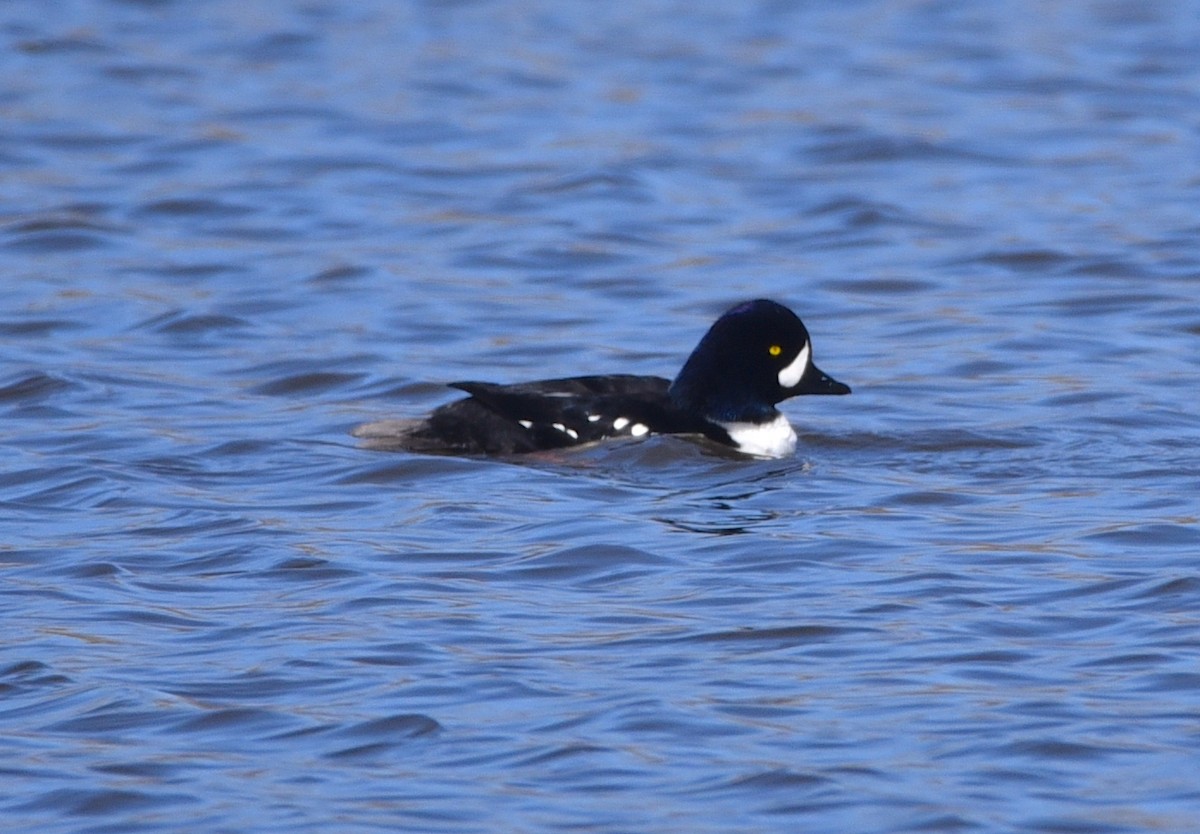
[233, 231]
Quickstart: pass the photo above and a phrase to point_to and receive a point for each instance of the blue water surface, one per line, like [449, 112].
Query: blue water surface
[233, 231]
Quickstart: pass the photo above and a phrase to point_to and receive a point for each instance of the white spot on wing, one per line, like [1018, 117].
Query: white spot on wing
[775, 439]
[571, 433]
[789, 376]
[638, 429]
[594, 418]
[528, 424]
[620, 423]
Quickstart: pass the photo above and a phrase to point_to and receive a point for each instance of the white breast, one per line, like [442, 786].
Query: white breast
[775, 439]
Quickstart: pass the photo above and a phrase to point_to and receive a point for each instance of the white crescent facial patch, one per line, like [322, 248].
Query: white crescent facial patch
[789, 376]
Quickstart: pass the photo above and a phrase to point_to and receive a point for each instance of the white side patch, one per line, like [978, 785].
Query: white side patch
[525, 424]
[775, 439]
[789, 376]
[620, 423]
[593, 418]
[638, 429]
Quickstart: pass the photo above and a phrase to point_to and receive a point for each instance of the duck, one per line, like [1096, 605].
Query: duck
[755, 355]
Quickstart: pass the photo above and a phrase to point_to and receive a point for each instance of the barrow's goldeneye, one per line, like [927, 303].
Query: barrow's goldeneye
[755, 355]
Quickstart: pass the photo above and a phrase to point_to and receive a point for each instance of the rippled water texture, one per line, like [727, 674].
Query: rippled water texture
[232, 231]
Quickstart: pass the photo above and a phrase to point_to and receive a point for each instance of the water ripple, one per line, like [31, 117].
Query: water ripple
[968, 603]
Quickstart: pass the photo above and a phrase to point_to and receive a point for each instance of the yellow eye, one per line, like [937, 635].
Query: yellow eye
[774, 350]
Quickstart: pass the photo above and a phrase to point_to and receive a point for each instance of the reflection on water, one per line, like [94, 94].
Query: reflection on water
[235, 231]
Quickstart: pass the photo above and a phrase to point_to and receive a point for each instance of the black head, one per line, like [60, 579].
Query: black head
[755, 355]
